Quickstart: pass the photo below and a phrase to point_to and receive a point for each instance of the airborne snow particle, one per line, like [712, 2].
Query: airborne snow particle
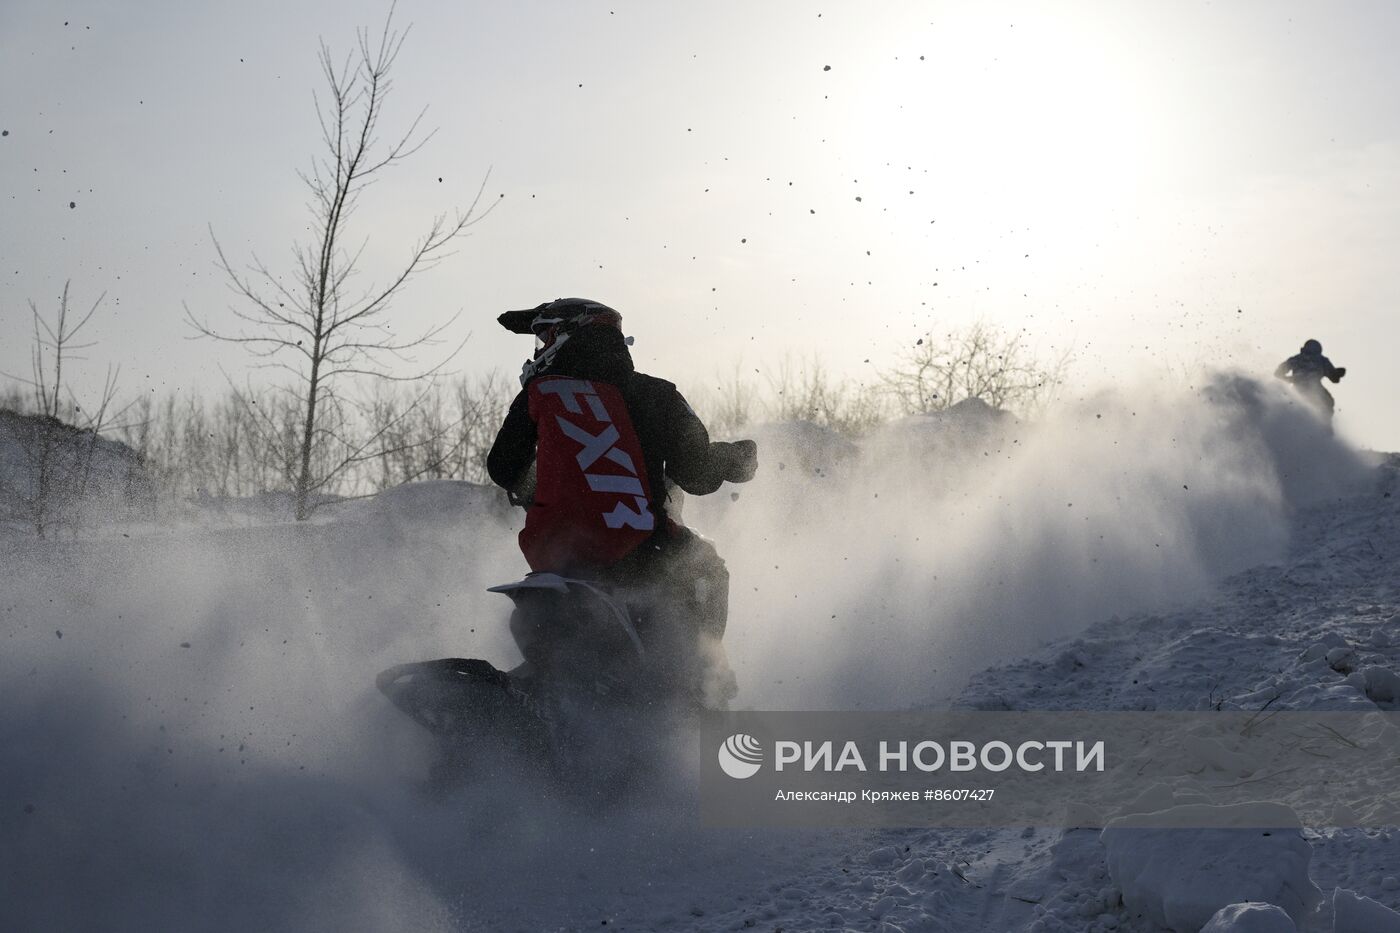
[58, 632]
[826, 68]
[72, 204]
[4, 132]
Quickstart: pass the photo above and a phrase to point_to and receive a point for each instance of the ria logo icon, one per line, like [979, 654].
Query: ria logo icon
[741, 756]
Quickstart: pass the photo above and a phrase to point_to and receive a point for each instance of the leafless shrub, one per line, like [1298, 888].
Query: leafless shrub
[807, 392]
[481, 407]
[442, 434]
[237, 445]
[982, 362]
[727, 404]
[13, 398]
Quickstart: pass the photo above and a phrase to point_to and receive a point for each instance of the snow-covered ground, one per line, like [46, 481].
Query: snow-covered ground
[87, 478]
[1266, 637]
[189, 737]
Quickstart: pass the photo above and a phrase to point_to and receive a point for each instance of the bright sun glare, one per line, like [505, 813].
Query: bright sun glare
[1038, 120]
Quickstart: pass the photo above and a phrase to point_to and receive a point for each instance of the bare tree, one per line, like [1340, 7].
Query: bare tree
[59, 439]
[328, 329]
[981, 362]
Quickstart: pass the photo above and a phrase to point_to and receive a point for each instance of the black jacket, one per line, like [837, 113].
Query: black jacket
[673, 438]
[1307, 367]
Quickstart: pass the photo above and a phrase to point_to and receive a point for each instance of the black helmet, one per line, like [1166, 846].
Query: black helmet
[553, 323]
[1312, 346]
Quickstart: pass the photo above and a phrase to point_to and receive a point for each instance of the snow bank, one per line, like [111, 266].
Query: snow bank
[1380, 684]
[934, 452]
[437, 506]
[1179, 878]
[87, 478]
[1250, 918]
[806, 448]
[1352, 913]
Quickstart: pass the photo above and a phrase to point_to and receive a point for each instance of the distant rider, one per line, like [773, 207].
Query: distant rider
[1306, 370]
[589, 446]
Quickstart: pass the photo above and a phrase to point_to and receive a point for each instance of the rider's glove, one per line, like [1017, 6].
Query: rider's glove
[743, 461]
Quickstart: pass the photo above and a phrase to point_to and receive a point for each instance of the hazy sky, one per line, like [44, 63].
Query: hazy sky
[1149, 183]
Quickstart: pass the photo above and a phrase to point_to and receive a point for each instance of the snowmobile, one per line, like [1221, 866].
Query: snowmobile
[610, 668]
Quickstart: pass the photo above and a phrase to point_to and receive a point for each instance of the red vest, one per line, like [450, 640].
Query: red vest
[592, 503]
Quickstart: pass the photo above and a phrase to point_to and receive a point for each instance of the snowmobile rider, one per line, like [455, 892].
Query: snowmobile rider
[1306, 370]
[589, 446]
